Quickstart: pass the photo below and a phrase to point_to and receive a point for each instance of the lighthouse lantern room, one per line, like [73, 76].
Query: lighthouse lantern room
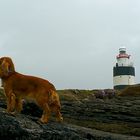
[124, 71]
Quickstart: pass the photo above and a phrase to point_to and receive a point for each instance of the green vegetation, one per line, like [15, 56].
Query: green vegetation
[75, 94]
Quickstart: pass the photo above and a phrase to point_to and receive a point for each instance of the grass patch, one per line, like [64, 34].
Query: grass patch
[133, 90]
[75, 94]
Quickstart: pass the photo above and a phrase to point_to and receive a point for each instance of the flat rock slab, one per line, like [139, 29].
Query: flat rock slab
[24, 127]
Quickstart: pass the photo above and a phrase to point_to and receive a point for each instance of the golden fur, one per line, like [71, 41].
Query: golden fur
[18, 86]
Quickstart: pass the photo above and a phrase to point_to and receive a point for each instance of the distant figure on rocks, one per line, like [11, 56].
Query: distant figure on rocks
[102, 94]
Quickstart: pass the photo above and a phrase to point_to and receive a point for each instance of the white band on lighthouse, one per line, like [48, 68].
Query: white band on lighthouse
[123, 80]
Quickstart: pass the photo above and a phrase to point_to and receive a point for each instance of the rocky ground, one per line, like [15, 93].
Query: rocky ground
[86, 117]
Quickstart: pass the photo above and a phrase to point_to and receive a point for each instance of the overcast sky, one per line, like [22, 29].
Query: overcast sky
[72, 43]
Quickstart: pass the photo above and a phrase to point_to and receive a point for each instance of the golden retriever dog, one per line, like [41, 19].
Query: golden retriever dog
[18, 87]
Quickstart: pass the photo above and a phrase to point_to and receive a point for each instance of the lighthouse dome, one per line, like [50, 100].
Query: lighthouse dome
[123, 54]
[122, 49]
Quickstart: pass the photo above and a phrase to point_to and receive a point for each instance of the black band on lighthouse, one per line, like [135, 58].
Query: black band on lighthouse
[121, 70]
[119, 87]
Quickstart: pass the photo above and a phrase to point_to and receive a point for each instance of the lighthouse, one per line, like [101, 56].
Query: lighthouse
[123, 71]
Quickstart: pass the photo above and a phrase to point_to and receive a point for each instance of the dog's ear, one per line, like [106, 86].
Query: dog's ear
[7, 66]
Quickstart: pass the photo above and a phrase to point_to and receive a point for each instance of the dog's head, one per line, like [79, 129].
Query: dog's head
[6, 66]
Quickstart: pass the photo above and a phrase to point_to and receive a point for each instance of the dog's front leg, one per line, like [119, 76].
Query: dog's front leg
[11, 103]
